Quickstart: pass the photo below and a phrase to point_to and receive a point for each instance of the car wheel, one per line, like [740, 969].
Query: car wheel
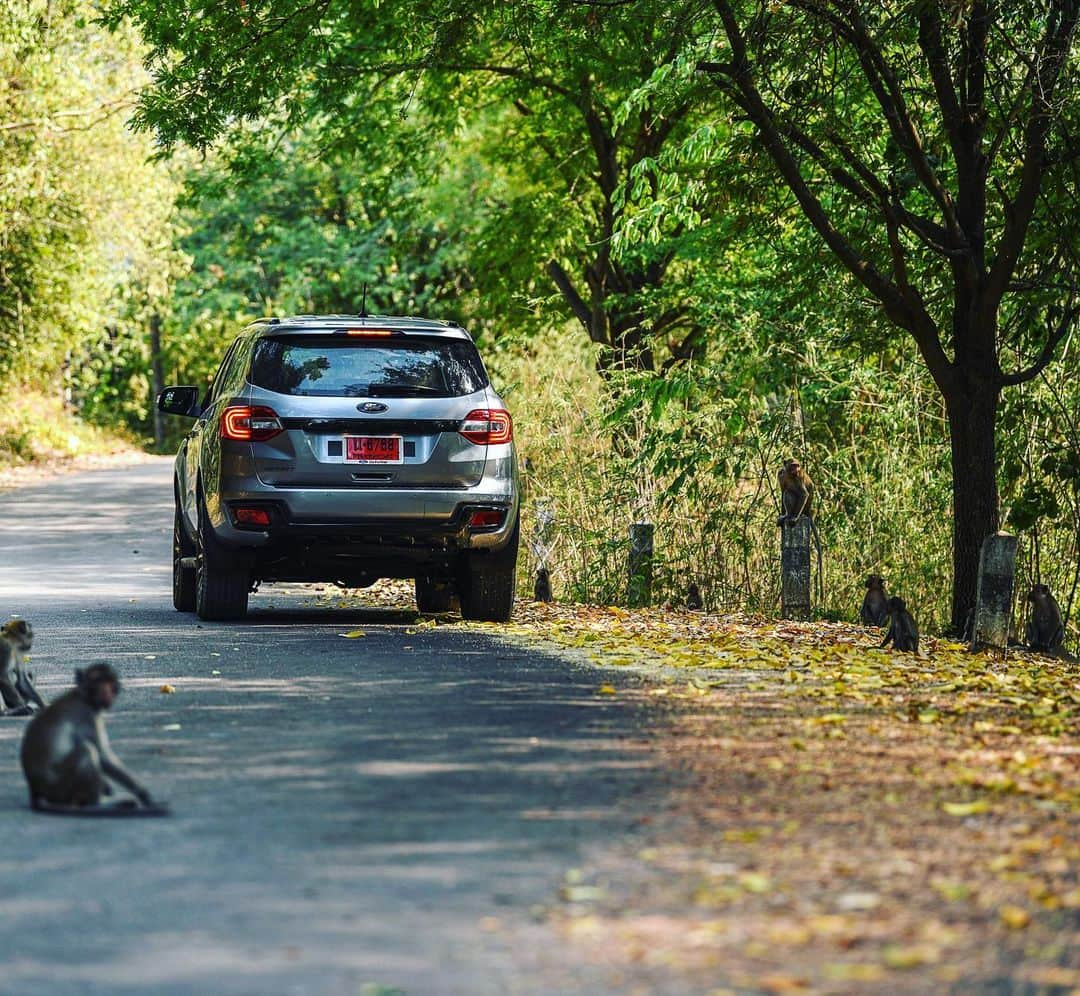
[183, 578]
[221, 588]
[489, 582]
[432, 596]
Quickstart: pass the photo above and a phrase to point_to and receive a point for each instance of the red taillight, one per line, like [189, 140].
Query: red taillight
[486, 518]
[248, 424]
[252, 516]
[488, 425]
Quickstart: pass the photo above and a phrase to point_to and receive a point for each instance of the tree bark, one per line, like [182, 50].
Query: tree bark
[972, 416]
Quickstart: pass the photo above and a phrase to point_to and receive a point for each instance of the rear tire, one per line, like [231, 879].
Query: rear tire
[433, 597]
[183, 578]
[221, 588]
[489, 582]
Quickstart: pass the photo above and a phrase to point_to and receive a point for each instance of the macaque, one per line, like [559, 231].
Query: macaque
[542, 588]
[17, 691]
[875, 605]
[902, 630]
[66, 755]
[1046, 627]
[693, 598]
[796, 492]
[797, 500]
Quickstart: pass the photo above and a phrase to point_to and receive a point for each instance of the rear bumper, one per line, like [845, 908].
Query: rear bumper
[382, 519]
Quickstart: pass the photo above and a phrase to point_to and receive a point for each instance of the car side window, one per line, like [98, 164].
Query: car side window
[220, 377]
[234, 375]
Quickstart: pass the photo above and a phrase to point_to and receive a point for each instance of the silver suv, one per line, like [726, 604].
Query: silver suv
[346, 449]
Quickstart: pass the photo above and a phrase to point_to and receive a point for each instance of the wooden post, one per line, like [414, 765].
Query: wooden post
[994, 595]
[795, 569]
[639, 587]
[543, 535]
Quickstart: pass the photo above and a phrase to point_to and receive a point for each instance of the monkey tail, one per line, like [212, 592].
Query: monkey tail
[110, 810]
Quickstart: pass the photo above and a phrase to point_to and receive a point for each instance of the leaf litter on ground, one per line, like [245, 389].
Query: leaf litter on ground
[842, 818]
[844, 815]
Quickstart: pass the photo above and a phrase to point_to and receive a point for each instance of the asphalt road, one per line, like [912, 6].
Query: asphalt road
[395, 811]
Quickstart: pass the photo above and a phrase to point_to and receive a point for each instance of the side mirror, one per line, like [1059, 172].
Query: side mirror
[180, 401]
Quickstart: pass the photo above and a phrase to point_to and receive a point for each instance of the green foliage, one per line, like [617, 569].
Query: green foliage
[82, 213]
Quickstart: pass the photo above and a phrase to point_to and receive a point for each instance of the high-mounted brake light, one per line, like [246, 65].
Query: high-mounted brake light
[250, 424]
[488, 426]
[370, 333]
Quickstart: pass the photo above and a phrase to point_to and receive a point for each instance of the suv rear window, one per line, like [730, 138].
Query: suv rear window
[337, 367]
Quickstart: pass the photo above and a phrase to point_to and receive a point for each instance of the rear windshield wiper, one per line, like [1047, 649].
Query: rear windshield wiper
[401, 390]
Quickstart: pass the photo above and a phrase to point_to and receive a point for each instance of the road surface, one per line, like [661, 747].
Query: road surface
[351, 815]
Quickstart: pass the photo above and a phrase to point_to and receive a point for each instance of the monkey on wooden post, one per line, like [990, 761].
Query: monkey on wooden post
[66, 756]
[797, 500]
[902, 631]
[18, 696]
[875, 604]
[1046, 627]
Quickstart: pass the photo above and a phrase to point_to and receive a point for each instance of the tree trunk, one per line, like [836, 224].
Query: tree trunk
[157, 380]
[972, 416]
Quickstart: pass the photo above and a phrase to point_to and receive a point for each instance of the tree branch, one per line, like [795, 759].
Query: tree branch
[577, 303]
[937, 59]
[890, 98]
[1018, 213]
[1042, 361]
[902, 309]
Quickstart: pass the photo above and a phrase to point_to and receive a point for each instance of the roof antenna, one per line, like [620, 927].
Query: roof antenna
[363, 303]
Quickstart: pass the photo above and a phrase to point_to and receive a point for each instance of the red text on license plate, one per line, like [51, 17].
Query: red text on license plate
[373, 449]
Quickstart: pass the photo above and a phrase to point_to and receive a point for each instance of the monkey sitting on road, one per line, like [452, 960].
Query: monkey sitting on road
[1046, 627]
[693, 598]
[17, 691]
[875, 605]
[66, 755]
[902, 630]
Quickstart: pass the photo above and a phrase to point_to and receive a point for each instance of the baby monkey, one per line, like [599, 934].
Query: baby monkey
[902, 630]
[18, 696]
[67, 759]
[1046, 627]
[875, 604]
[542, 587]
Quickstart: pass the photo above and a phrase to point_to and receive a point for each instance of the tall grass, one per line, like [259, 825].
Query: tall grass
[698, 455]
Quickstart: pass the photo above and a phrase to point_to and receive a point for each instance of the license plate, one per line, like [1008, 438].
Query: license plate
[373, 449]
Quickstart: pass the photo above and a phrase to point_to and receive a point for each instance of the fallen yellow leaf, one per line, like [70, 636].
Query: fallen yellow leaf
[911, 957]
[1014, 917]
[353, 634]
[966, 808]
[166, 689]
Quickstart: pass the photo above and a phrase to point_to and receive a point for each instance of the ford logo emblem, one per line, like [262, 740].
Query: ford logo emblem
[371, 407]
